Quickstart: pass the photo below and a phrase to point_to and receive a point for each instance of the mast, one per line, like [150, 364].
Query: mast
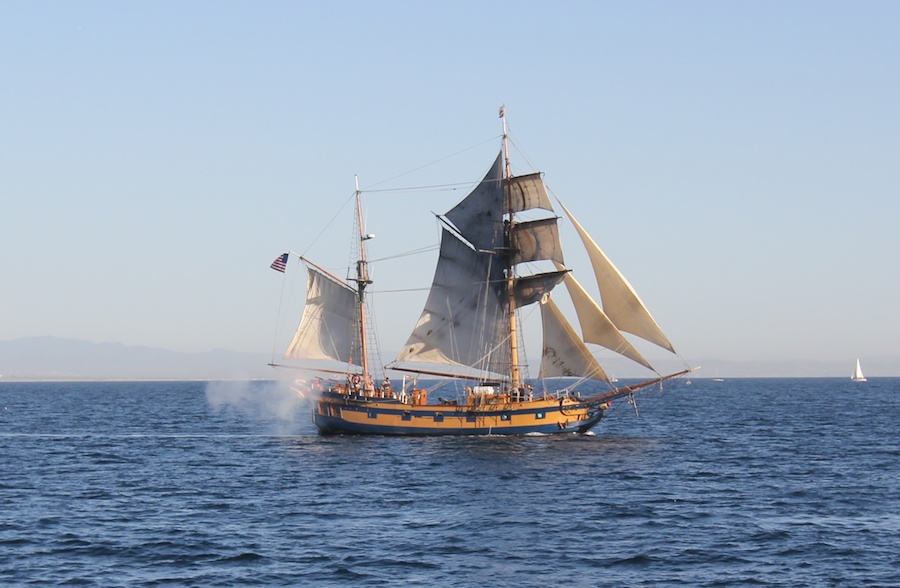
[508, 266]
[362, 280]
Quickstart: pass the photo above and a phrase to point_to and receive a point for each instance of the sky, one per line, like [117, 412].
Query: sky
[738, 161]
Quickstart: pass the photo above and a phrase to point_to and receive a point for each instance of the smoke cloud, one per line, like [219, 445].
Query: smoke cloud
[279, 405]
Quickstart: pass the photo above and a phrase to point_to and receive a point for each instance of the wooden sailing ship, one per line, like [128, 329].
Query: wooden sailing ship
[469, 328]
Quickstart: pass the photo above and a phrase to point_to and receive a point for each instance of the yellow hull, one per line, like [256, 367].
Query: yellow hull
[336, 412]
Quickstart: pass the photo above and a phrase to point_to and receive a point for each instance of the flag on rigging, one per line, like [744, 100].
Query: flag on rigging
[280, 263]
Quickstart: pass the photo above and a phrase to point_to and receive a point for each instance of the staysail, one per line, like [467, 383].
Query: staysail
[595, 325]
[621, 303]
[564, 354]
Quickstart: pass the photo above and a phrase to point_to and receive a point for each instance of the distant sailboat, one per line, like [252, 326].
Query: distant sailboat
[857, 374]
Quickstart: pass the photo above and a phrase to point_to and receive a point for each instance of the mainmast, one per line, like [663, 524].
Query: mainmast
[516, 381]
[362, 280]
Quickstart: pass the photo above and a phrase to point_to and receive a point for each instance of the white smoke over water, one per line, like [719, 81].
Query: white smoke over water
[280, 405]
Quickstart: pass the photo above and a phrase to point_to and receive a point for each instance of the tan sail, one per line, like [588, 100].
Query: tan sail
[595, 325]
[328, 328]
[621, 303]
[564, 355]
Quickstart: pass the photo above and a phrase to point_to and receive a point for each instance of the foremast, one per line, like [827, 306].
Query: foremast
[362, 281]
[515, 377]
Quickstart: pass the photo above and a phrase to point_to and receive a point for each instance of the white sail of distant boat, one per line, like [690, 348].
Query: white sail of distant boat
[857, 373]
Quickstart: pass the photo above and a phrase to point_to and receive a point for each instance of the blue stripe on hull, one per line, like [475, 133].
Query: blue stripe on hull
[393, 407]
[335, 426]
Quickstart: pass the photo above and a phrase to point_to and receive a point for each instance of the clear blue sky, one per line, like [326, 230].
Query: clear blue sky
[739, 161]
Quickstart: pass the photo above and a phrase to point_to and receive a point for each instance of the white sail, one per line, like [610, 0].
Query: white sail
[465, 312]
[329, 327]
[857, 373]
[595, 325]
[564, 355]
[620, 301]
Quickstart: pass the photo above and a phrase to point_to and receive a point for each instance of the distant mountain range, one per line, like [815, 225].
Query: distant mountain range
[884, 366]
[54, 358]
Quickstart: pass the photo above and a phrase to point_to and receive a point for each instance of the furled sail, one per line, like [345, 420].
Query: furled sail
[465, 312]
[595, 325]
[329, 327]
[530, 289]
[564, 355]
[620, 301]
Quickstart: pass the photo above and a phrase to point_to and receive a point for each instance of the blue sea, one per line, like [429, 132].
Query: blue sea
[746, 482]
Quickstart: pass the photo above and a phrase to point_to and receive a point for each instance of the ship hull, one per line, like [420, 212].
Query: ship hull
[335, 414]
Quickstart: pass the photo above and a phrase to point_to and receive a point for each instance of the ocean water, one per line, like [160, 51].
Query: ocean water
[772, 482]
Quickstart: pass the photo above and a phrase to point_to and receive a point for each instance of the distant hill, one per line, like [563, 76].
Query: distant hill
[53, 358]
[710, 367]
[884, 366]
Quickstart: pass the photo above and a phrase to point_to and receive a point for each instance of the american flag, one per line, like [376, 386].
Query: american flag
[280, 263]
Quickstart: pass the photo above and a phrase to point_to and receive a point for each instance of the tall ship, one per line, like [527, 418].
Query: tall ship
[470, 328]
